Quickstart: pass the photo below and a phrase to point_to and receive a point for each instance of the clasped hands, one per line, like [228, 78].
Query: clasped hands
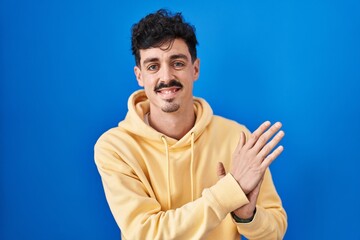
[250, 160]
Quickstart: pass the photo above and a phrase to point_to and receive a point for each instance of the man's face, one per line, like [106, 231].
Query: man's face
[167, 75]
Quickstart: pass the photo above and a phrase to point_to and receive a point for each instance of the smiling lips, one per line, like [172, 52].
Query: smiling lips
[168, 93]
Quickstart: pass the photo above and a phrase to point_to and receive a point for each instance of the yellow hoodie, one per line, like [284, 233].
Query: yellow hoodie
[161, 188]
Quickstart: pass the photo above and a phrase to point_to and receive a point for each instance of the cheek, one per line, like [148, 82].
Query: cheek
[149, 82]
[146, 79]
[190, 78]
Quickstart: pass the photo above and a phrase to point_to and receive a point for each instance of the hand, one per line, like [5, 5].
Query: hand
[246, 211]
[252, 158]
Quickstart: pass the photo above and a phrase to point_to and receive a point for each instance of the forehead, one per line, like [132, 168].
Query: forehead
[165, 51]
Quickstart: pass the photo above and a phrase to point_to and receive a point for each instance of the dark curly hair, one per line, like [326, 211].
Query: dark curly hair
[160, 27]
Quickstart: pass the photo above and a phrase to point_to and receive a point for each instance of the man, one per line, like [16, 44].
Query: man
[172, 169]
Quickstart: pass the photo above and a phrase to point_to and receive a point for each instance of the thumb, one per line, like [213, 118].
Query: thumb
[220, 170]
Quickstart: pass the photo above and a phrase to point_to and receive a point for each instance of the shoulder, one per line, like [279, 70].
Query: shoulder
[115, 149]
[112, 138]
[109, 134]
[229, 125]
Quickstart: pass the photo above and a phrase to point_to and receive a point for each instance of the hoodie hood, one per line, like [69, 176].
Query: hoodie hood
[139, 105]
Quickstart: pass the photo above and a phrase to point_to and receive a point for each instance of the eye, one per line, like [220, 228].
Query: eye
[178, 64]
[152, 67]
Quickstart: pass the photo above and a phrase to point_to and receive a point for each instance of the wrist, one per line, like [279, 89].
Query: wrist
[243, 219]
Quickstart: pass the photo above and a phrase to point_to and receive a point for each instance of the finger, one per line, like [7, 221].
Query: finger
[257, 133]
[241, 142]
[264, 138]
[271, 157]
[271, 145]
[220, 170]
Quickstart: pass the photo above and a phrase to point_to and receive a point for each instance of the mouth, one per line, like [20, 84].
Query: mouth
[168, 93]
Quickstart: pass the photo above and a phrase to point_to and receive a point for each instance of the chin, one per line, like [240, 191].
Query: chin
[170, 108]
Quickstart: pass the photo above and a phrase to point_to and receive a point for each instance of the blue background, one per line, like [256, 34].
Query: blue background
[67, 71]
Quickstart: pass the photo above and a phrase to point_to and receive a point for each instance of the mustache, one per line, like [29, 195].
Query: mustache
[172, 83]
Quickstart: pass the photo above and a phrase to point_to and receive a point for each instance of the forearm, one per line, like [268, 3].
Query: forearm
[141, 217]
[266, 224]
[270, 219]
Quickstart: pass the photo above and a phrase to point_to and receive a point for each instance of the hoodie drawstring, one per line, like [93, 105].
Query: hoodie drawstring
[192, 166]
[163, 139]
[167, 169]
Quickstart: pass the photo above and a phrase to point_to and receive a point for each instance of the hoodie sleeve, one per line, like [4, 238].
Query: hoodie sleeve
[270, 220]
[140, 216]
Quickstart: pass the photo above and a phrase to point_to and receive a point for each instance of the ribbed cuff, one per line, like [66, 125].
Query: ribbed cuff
[228, 193]
[256, 223]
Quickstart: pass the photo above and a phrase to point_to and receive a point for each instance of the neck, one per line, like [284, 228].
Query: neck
[174, 125]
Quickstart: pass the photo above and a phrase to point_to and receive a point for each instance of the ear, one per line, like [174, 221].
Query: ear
[196, 66]
[137, 72]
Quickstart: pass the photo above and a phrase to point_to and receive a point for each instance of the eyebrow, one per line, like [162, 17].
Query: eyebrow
[150, 60]
[172, 57]
[176, 56]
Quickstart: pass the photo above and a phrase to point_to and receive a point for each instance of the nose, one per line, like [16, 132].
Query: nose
[166, 74]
